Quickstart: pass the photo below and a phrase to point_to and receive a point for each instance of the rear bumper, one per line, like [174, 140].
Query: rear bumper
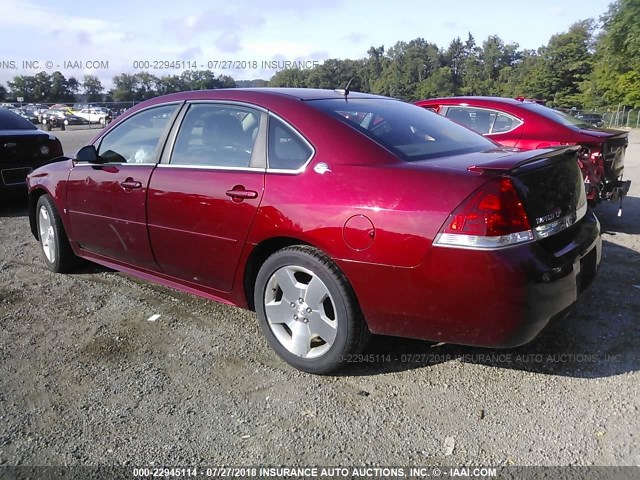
[621, 190]
[13, 175]
[501, 298]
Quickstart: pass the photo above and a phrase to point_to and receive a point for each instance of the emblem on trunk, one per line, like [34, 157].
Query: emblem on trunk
[10, 145]
[552, 215]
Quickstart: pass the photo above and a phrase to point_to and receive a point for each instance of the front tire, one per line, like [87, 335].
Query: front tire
[308, 311]
[54, 243]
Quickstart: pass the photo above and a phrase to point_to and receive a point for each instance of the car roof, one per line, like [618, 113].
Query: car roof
[295, 93]
[474, 100]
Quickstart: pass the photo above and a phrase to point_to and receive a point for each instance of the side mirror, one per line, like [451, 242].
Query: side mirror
[88, 154]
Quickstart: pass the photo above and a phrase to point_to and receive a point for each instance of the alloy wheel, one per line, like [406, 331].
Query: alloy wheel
[300, 311]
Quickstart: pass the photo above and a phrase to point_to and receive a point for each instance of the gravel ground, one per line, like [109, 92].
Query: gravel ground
[86, 379]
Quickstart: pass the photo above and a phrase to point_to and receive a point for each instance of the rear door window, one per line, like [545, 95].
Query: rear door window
[287, 149]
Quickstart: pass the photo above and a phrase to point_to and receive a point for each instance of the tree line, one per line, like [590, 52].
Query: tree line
[45, 88]
[592, 64]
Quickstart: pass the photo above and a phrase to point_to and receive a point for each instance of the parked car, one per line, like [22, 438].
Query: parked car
[80, 106]
[94, 115]
[59, 119]
[529, 125]
[60, 106]
[592, 118]
[22, 148]
[28, 114]
[332, 214]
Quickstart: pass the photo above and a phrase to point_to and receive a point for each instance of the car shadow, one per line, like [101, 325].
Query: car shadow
[629, 222]
[598, 339]
[17, 205]
[14, 205]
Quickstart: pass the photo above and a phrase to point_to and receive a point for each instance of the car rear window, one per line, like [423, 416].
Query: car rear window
[13, 121]
[411, 132]
[556, 115]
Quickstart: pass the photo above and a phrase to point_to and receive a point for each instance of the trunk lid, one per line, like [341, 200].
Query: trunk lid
[614, 149]
[22, 145]
[549, 183]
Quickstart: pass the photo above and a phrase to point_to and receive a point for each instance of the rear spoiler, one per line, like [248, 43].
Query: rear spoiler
[524, 160]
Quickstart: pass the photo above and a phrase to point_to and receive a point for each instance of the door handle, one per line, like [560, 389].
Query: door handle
[239, 193]
[130, 183]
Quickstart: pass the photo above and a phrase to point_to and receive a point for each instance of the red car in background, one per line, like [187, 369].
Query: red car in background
[332, 214]
[527, 124]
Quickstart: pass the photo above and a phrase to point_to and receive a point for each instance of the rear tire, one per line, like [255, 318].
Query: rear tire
[308, 311]
[54, 243]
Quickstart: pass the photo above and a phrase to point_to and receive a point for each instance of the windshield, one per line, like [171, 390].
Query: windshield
[413, 133]
[13, 121]
[556, 116]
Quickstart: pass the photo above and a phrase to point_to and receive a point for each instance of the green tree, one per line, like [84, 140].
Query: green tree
[454, 57]
[61, 89]
[125, 87]
[92, 88]
[146, 86]
[170, 84]
[439, 84]
[617, 59]
[569, 61]
[42, 87]
[290, 77]
[24, 86]
[472, 68]
[225, 81]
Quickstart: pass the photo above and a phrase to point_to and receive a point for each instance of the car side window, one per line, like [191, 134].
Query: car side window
[504, 123]
[218, 135]
[287, 150]
[477, 119]
[138, 138]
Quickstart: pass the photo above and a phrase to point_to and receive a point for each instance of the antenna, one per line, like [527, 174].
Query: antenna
[344, 91]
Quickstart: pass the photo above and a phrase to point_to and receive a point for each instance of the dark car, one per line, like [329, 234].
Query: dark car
[60, 119]
[332, 214]
[594, 119]
[22, 148]
[28, 114]
[529, 125]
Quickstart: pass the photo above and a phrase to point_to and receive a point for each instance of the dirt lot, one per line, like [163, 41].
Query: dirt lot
[85, 378]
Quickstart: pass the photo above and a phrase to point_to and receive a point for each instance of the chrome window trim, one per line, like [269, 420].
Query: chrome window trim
[112, 164]
[212, 167]
[489, 109]
[512, 117]
[157, 105]
[287, 171]
[163, 136]
[165, 160]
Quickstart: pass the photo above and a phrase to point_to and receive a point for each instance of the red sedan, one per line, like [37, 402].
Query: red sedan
[332, 214]
[529, 125]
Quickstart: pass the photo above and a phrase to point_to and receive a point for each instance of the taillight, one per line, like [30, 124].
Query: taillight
[491, 217]
[55, 148]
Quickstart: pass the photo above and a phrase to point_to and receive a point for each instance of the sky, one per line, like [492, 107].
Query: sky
[106, 38]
